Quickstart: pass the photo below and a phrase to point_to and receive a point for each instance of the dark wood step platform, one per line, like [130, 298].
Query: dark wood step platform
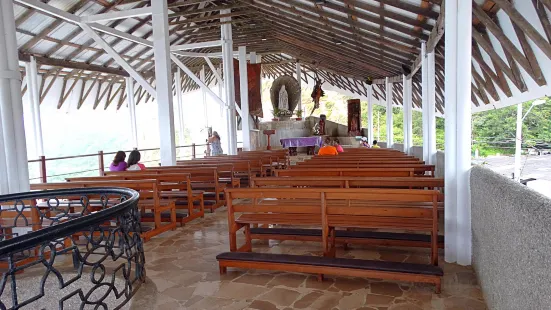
[333, 266]
[345, 236]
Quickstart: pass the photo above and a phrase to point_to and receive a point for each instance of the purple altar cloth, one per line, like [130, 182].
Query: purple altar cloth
[301, 142]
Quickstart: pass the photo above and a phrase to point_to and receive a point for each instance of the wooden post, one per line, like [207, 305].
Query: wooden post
[101, 164]
[193, 151]
[43, 175]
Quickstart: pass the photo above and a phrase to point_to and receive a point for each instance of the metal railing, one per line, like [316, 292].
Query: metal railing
[70, 249]
[100, 155]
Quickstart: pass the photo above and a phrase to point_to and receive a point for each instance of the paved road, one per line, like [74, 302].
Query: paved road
[537, 167]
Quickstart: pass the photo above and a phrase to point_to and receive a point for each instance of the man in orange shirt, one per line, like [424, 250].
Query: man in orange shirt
[327, 148]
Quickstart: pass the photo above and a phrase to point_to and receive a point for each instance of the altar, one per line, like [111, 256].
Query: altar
[309, 142]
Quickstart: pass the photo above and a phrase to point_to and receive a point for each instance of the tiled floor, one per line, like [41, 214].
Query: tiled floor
[183, 274]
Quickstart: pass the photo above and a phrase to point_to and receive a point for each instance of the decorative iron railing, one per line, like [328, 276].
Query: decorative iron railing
[70, 249]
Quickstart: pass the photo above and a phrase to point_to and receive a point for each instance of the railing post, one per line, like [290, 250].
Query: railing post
[101, 164]
[193, 150]
[43, 174]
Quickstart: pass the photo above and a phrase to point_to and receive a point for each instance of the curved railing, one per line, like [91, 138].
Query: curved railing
[70, 249]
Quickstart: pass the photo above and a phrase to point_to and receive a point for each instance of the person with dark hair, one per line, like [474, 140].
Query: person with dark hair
[216, 146]
[118, 163]
[337, 145]
[375, 146]
[133, 161]
[327, 148]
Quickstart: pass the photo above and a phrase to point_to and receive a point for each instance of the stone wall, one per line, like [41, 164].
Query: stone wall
[511, 231]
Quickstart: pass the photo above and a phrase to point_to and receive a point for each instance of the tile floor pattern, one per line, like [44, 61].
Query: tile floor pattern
[183, 274]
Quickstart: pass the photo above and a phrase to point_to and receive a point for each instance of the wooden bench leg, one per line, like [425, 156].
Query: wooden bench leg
[223, 270]
[438, 289]
[248, 240]
[320, 277]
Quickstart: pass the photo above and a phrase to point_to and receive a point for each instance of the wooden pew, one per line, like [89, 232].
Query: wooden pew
[323, 170]
[363, 172]
[332, 208]
[202, 178]
[174, 186]
[350, 182]
[371, 238]
[150, 199]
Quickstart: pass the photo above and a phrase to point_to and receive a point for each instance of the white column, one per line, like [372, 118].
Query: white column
[163, 78]
[132, 110]
[34, 101]
[389, 119]
[244, 90]
[180, 107]
[299, 79]
[204, 96]
[14, 171]
[429, 106]
[227, 59]
[458, 131]
[518, 143]
[407, 106]
[370, 101]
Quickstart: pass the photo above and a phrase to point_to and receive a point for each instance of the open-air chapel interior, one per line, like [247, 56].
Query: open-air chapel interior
[283, 211]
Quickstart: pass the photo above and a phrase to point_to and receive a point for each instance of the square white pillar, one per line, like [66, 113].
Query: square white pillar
[408, 109]
[299, 79]
[370, 101]
[132, 111]
[429, 105]
[229, 85]
[14, 171]
[458, 238]
[163, 79]
[244, 90]
[389, 115]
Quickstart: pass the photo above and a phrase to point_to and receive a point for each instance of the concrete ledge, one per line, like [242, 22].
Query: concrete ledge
[511, 230]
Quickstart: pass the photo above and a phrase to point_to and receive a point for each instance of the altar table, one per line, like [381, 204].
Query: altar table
[309, 142]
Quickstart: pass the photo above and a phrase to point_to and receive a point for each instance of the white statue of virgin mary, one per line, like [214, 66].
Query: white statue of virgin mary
[283, 99]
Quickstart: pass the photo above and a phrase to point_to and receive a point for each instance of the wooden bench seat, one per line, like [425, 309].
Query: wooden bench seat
[150, 199]
[362, 172]
[331, 208]
[175, 187]
[419, 273]
[347, 237]
[349, 182]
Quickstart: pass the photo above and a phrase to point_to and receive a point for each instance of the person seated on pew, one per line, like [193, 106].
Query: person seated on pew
[118, 163]
[327, 149]
[364, 143]
[375, 146]
[337, 145]
[133, 161]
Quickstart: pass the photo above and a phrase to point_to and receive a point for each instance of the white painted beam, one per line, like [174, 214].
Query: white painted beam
[190, 46]
[197, 80]
[71, 18]
[116, 15]
[214, 71]
[118, 59]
